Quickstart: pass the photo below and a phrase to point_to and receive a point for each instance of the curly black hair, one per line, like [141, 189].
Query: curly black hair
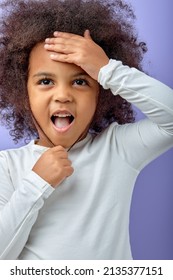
[26, 23]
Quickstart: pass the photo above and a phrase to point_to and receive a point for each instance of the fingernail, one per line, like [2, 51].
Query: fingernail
[53, 56]
[56, 33]
[46, 46]
[47, 40]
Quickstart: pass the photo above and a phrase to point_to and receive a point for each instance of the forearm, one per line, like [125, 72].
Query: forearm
[152, 97]
[20, 213]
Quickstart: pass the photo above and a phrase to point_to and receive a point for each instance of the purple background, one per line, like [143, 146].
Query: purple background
[151, 222]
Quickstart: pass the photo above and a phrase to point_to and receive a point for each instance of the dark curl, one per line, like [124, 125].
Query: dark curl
[25, 23]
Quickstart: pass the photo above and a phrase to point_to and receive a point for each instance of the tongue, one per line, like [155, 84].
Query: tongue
[62, 122]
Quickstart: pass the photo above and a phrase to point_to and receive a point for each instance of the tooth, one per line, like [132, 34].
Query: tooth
[62, 115]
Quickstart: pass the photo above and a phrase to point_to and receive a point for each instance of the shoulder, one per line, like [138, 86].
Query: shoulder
[21, 154]
[113, 132]
[109, 137]
[18, 150]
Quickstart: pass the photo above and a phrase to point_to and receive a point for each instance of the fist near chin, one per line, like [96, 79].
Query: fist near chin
[54, 166]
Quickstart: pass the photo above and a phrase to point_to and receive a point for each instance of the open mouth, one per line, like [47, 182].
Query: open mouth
[62, 120]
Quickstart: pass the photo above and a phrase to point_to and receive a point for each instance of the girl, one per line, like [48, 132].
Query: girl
[67, 194]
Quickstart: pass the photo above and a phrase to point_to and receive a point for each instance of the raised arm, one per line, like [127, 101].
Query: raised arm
[145, 140]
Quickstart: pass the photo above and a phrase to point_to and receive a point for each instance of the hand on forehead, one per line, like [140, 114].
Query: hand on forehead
[79, 50]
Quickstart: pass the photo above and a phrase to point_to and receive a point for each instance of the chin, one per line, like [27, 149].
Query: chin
[65, 144]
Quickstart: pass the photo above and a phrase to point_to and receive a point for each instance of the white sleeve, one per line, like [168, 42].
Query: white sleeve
[145, 140]
[19, 209]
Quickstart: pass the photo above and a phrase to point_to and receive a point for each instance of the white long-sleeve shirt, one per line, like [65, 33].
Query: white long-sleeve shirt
[87, 215]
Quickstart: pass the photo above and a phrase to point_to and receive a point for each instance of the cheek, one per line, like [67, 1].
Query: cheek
[94, 101]
[91, 107]
[30, 96]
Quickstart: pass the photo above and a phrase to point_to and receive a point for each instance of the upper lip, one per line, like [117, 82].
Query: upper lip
[62, 112]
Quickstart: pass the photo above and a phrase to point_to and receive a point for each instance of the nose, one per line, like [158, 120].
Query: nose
[62, 94]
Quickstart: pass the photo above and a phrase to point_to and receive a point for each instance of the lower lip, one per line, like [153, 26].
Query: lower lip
[63, 129]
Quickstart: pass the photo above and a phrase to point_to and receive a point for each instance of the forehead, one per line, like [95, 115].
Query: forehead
[40, 60]
[38, 51]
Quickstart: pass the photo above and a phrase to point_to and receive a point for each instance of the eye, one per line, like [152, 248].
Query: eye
[46, 82]
[80, 82]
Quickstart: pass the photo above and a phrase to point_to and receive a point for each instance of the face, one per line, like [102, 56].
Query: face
[63, 99]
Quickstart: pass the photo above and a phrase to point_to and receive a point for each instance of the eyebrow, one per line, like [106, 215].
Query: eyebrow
[80, 74]
[45, 74]
[51, 75]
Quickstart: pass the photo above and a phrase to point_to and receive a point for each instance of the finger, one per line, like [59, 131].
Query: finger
[62, 154]
[66, 58]
[66, 171]
[58, 40]
[65, 35]
[69, 171]
[64, 41]
[63, 58]
[59, 152]
[58, 148]
[87, 34]
[60, 48]
[66, 162]
[62, 37]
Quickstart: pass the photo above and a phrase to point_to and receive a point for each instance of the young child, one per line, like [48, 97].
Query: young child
[69, 73]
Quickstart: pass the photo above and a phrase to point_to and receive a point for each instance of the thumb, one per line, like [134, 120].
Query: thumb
[87, 34]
